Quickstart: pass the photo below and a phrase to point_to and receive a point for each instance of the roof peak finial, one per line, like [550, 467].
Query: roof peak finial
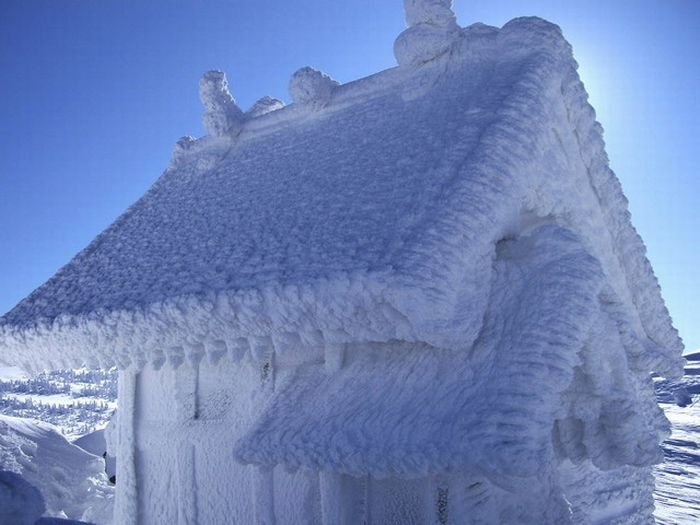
[434, 12]
[432, 29]
[221, 114]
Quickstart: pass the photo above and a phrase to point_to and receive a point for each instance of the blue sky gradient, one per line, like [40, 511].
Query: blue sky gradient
[93, 96]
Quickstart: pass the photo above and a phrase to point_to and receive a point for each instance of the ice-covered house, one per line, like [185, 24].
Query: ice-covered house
[412, 298]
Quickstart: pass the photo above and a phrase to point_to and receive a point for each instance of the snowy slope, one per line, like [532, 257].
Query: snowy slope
[678, 477]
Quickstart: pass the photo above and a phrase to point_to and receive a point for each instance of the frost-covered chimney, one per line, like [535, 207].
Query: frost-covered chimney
[221, 114]
[432, 28]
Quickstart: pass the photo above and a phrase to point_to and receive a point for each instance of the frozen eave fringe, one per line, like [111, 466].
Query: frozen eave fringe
[311, 224]
[419, 413]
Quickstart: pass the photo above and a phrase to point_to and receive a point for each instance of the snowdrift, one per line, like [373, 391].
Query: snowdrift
[71, 482]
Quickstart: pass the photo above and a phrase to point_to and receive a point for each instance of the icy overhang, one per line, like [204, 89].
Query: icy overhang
[402, 410]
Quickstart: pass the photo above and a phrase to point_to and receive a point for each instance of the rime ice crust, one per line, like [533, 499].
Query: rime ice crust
[221, 114]
[432, 31]
[264, 106]
[310, 86]
[201, 253]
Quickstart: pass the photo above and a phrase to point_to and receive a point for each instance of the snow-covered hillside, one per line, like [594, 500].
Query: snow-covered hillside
[76, 401]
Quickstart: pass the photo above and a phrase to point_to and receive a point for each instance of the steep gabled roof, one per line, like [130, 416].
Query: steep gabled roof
[369, 214]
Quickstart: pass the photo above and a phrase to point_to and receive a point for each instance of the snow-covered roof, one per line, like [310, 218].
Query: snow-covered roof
[368, 211]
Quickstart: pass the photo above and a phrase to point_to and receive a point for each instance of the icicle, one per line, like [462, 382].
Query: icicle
[126, 502]
[216, 350]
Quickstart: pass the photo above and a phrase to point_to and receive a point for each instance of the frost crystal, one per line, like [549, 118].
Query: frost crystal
[221, 114]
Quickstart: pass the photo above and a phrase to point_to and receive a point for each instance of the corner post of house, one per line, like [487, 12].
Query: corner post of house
[438, 505]
[331, 483]
[126, 500]
[187, 403]
[263, 495]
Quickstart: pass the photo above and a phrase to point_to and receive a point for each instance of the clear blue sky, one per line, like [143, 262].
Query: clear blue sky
[94, 94]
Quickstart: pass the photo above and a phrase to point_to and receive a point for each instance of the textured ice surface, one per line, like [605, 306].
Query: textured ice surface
[71, 481]
[372, 218]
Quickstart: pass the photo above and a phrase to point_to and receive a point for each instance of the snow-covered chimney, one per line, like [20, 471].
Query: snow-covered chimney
[221, 114]
[432, 28]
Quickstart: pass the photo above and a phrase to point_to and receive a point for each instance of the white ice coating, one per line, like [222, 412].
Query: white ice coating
[221, 114]
[432, 30]
[264, 106]
[458, 219]
[308, 85]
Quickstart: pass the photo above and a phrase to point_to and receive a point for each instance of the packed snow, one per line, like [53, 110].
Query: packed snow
[72, 482]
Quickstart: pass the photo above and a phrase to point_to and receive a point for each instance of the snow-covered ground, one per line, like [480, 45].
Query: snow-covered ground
[72, 482]
[678, 478]
[11, 372]
[76, 401]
